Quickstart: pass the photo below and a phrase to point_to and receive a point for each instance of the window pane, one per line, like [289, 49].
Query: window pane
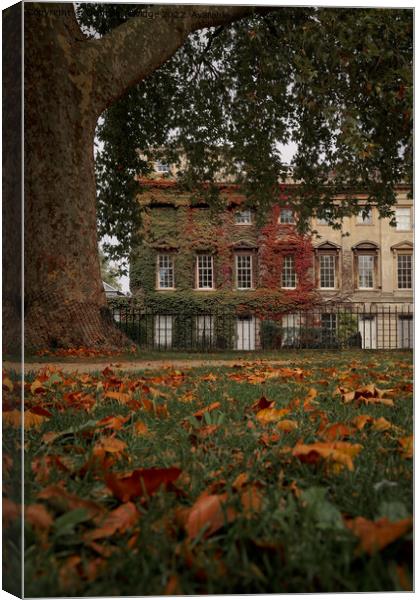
[286, 216]
[327, 271]
[243, 216]
[404, 271]
[403, 218]
[166, 271]
[205, 271]
[205, 328]
[364, 218]
[244, 271]
[288, 276]
[365, 264]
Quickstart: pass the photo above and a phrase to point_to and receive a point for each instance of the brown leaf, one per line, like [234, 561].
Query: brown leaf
[361, 420]
[271, 415]
[406, 444]
[287, 425]
[119, 520]
[11, 511]
[113, 422]
[262, 403]
[110, 444]
[335, 431]
[200, 413]
[209, 511]
[251, 500]
[30, 420]
[336, 452]
[140, 482]
[38, 516]
[381, 424]
[141, 428]
[376, 535]
[240, 481]
[121, 397]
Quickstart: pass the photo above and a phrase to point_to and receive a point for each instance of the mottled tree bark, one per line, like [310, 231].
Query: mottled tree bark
[69, 81]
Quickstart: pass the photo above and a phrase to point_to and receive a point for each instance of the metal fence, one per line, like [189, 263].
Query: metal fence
[382, 327]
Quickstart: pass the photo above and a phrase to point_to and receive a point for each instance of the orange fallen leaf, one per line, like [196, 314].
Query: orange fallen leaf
[210, 512]
[38, 516]
[118, 520]
[121, 397]
[141, 428]
[361, 420]
[376, 535]
[109, 444]
[37, 387]
[287, 425]
[406, 444]
[262, 403]
[271, 415]
[251, 500]
[60, 498]
[381, 424]
[240, 481]
[209, 377]
[200, 413]
[140, 482]
[335, 431]
[15, 418]
[113, 422]
[337, 452]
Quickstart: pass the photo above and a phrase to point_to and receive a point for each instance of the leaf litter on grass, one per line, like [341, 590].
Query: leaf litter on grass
[219, 468]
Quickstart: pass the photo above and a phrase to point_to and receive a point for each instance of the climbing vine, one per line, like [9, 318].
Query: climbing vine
[172, 224]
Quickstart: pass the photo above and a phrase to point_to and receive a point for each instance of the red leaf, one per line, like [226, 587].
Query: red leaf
[141, 482]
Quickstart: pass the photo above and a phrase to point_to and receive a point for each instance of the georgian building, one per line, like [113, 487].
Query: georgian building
[203, 263]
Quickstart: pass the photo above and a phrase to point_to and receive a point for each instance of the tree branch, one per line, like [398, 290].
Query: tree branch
[134, 50]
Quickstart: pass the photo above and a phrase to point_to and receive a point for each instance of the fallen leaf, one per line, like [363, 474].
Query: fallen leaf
[406, 444]
[58, 497]
[38, 516]
[381, 424]
[140, 482]
[209, 512]
[376, 535]
[121, 397]
[240, 481]
[110, 444]
[113, 422]
[251, 500]
[200, 413]
[287, 425]
[7, 384]
[15, 418]
[37, 387]
[141, 428]
[261, 404]
[271, 415]
[337, 452]
[361, 420]
[118, 520]
[335, 431]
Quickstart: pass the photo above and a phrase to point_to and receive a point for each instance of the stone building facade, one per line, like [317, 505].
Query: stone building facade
[200, 262]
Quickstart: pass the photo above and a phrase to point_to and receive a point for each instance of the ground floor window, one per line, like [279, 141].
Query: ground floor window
[405, 331]
[205, 329]
[163, 330]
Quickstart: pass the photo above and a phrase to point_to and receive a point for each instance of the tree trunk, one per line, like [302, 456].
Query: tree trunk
[65, 304]
[69, 81]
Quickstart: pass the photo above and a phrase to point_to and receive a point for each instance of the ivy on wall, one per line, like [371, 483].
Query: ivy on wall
[172, 224]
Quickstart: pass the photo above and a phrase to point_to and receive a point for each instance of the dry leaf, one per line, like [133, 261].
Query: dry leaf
[361, 420]
[140, 482]
[38, 516]
[121, 397]
[335, 431]
[271, 415]
[200, 413]
[119, 520]
[141, 428]
[376, 535]
[287, 425]
[209, 511]
[406, 444]
[337, 452]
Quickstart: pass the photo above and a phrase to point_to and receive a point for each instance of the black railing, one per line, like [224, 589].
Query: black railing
[382, 327]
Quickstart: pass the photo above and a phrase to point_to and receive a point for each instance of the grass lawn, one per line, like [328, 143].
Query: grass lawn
[254, 479]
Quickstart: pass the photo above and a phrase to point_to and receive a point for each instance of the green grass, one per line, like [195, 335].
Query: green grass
[291, 544]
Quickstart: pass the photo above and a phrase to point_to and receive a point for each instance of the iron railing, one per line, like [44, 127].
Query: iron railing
[376, 326]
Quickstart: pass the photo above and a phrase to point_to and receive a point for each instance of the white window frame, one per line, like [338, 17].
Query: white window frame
[361, 219]
[290, 219]
[163, 330]
[287, 271]
[359, 269]
[159, 267]
[204, 328]
[401, 255]
[161, 167]
[238, 259]
[400, 225]
[243, 217]
[197, 271]
[320, 267]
